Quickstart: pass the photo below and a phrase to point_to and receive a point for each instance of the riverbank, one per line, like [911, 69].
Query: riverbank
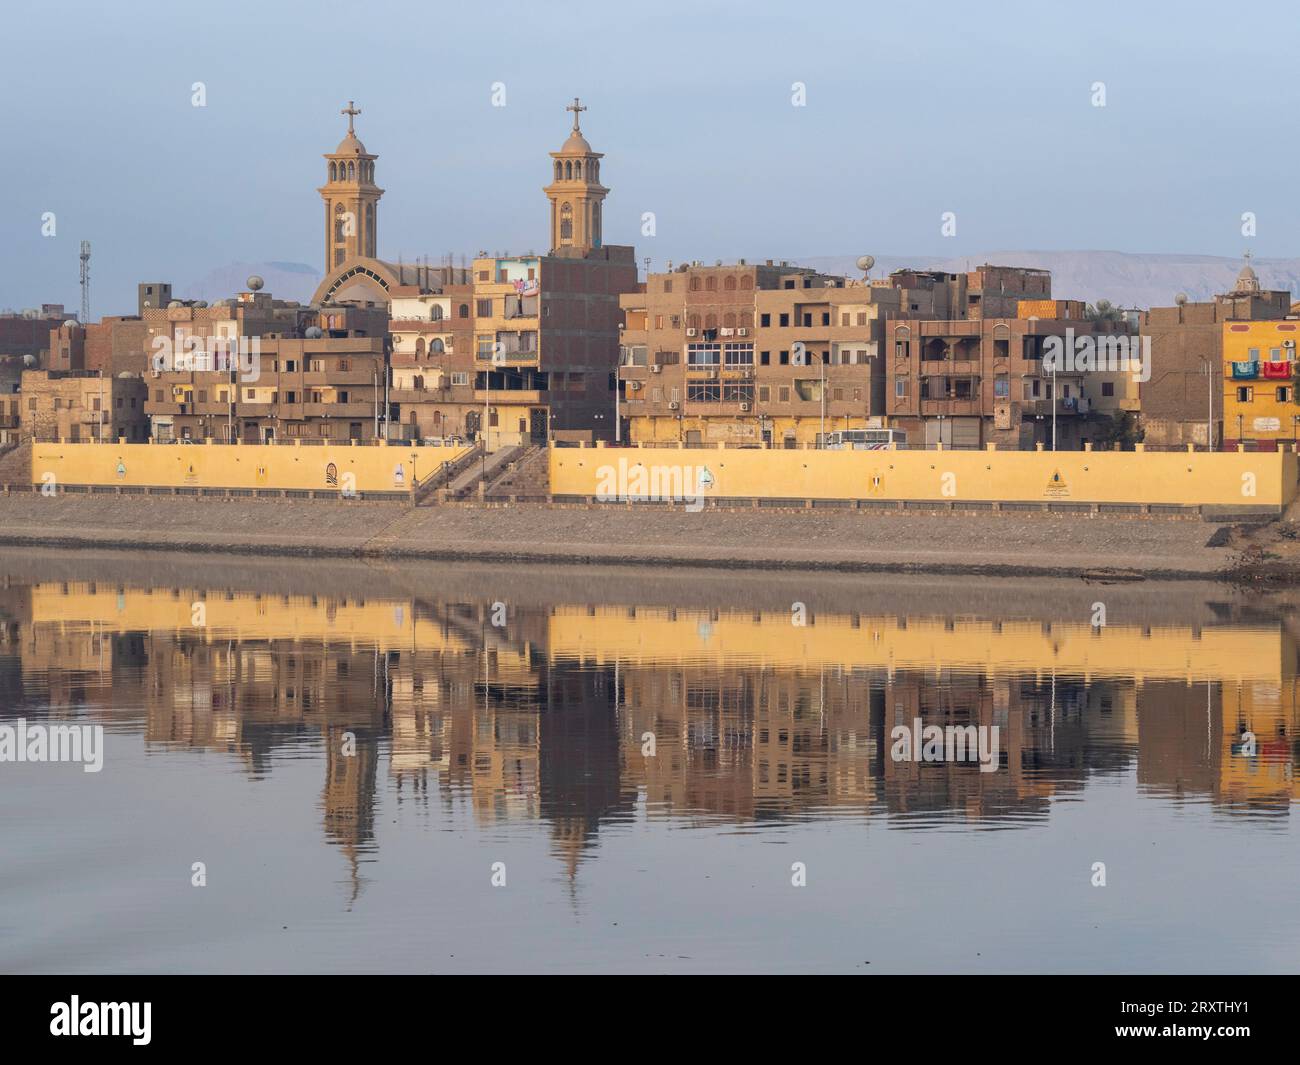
[1019, 544]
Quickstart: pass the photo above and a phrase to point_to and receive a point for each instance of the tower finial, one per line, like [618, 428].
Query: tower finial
[352, 110]
[576, 107]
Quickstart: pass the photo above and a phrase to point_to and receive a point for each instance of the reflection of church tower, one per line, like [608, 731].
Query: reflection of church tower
[349, 797]
[351, 199]
[576, 193]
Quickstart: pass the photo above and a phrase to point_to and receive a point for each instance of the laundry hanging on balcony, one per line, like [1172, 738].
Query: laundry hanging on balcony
[1245, 371]
[1277, 371]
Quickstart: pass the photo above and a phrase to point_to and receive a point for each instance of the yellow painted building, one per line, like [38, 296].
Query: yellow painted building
[1259, 382]
[345, 469]
[1247, 481]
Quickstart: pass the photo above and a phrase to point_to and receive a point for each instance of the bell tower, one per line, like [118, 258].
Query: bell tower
[351, 199]
[575, 192]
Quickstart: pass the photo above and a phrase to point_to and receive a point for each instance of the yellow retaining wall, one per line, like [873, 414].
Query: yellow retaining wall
[1246, 480]
[368, 468]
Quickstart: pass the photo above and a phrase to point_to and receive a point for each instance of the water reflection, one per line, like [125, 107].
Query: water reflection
[577, 715]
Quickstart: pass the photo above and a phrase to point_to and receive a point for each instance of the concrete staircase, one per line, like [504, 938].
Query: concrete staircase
[473, 480]
[526, 478]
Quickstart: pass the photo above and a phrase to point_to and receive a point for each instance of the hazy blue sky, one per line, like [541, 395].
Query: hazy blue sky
[911, 111]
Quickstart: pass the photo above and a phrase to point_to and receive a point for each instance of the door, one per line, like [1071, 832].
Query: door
[537, 419]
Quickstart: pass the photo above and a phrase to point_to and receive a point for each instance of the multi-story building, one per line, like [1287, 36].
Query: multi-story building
[1182, 402]
[1259, 383]
[327, 382]
[751, 353]
[81, 406]
[433, 362]
[980, 381]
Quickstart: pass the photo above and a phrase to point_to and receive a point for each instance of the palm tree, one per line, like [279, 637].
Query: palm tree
[1103, 311]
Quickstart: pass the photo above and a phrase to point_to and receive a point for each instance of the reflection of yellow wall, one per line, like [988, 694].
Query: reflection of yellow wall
[1229, 654]
[1180, 478]
[372, 469]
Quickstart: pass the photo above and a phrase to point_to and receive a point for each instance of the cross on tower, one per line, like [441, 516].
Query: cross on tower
[575, 107]
[351, 111]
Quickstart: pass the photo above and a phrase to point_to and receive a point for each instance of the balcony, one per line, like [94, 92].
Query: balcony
[510, 396]
[951, 406]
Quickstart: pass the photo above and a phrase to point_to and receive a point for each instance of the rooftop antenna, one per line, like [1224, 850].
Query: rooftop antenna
[865, 263]
[85, 282]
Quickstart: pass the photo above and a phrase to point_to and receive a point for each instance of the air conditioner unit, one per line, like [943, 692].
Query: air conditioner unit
[744, 406]
[656, 368]
[635, 386]
[690, 332]
[1288, 343]
[728, 332]
[672, 405]
[742, 332]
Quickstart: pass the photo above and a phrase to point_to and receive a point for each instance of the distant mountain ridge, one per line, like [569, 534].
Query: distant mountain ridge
[1124, 278]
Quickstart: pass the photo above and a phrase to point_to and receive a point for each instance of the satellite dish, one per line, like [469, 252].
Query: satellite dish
[254, 283]
[1181, 298]
[866, 262]
[313, 332]
[29, 360]
[174, 304]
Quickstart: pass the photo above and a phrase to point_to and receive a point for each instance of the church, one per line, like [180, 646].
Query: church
[518, 350]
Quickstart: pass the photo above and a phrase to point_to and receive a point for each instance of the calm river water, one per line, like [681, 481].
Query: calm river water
[336, 767]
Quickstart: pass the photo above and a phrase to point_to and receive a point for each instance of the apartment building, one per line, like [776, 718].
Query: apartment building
[751, 353]
[433, 362]
[546, 340]
[1182, 402]
[1260, 408]
[978, 381]
[79, 406]
[326, 384]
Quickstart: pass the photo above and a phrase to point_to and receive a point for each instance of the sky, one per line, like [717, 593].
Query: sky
[909, 112]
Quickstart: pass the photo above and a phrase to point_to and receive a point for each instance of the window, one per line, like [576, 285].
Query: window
[1002, 387]
[460, 378]
[764, 358]
[784, 394]
[704, 354]
[844, 318]
[862, 317]
[826, 317]
[483, 308]
[784, 358]
[738, 354]
[765, 320]
[764, 394]
[1284, 394]
[1245, 394]
[668, 284]
[1108, 388]
[703, 392]
[785, 320]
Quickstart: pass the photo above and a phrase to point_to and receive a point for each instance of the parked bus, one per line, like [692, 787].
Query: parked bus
[864, 439]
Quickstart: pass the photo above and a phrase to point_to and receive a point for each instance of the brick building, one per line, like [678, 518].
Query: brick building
[80, 406]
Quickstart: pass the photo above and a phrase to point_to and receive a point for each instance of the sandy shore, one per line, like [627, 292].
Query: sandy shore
[1006, 544]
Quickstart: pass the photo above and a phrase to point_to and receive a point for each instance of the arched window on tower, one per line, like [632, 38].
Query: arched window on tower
[334, 172]
[352, 172]
[370, 229]
[566, 222]
[568, 170]
[559, 170]
[577, 169]
[339, 212]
